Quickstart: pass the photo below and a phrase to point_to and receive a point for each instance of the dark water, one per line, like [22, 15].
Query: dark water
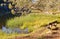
[14, 30]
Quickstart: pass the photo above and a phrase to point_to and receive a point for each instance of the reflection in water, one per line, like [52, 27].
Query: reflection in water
[14, 30]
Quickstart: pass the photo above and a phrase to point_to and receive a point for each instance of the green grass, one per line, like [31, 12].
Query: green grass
[31, 21]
